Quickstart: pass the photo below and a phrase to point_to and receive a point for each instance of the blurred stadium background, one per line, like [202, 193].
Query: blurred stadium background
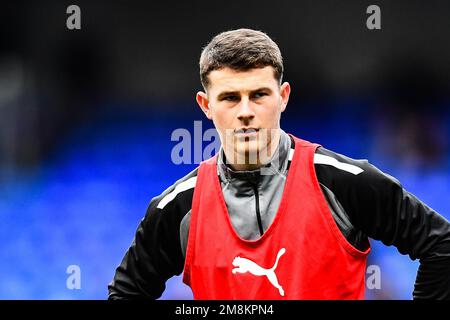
[86, 119]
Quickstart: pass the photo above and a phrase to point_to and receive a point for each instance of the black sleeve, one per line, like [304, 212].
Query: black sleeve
[379, 205]
[155, 254]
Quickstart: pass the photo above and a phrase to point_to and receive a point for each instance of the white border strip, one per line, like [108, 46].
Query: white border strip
[322, 159]
[183, 186]
[291, 154]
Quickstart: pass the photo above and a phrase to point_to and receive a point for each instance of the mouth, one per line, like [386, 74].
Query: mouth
[246, 132]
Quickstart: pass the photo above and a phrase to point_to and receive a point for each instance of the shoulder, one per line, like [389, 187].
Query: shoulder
[339, 163]
[333, 167]
[174, 202]
[181, 191]
[355, 182]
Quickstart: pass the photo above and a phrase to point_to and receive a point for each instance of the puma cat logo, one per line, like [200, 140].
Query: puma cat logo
[244, 265]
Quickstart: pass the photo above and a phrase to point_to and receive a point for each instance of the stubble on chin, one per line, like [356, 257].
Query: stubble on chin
[252, 152]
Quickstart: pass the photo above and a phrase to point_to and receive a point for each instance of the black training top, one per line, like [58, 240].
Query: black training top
[369, 204]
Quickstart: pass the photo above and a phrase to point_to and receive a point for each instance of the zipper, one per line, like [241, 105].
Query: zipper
[258, 214]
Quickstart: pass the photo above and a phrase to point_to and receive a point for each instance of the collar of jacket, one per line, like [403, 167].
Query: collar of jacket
[276, 165]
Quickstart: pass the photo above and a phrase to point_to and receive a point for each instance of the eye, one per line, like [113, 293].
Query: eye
[259, 94]
[231, 98]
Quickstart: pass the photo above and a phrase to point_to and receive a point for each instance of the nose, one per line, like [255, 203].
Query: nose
[245, 112]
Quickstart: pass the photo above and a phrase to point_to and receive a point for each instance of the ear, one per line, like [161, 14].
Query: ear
[203, 102]
[285, 91]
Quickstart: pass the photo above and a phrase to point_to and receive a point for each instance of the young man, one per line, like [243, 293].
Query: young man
[272, 216]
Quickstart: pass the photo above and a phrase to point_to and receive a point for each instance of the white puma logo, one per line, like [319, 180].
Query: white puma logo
[244, 265]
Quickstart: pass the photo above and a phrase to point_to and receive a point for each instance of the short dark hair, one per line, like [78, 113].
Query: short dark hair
[240, 49]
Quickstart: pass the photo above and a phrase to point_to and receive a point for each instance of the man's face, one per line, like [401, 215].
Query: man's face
[245, 107]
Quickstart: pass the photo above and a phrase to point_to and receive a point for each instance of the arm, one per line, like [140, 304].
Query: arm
[155, 254]
[149, 262]
[377, 204]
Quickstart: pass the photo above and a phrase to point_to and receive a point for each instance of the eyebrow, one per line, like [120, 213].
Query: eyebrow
[227, 93]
